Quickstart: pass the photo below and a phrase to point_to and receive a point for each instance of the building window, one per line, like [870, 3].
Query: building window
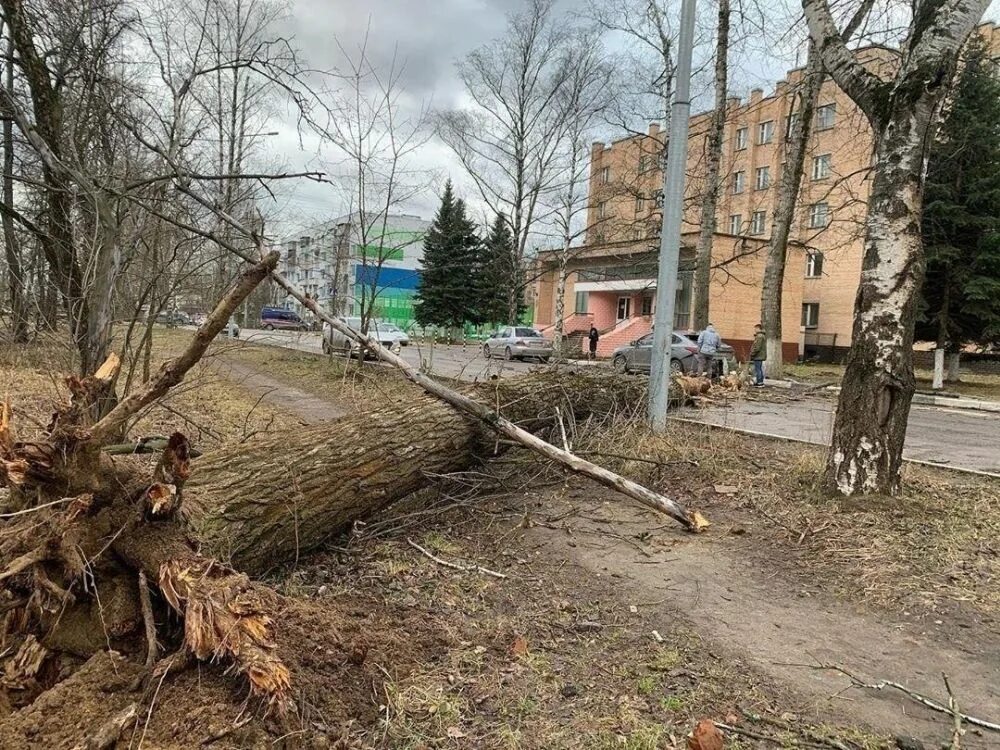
[758, 219]
[814, 265]
[821, 167]
[762, 178]
[640, 203]
[582, 302]
[819, 215]
[741, 139]
[647, 305]
[735, 223]
[810, 314]
[658, 199]
[790, 123]
[624, 308]
[605, 175]
[637, 234]
[825, 116]
[739, 182]
[602, 210]
[646, 163]
[765, 132]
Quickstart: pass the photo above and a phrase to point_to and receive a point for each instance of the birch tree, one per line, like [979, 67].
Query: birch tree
[508, 141]
[713, 160]
[584, 100]
[901, 104]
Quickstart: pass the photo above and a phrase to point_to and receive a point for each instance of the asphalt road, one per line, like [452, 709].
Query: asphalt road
[951, 437]
[447, 361]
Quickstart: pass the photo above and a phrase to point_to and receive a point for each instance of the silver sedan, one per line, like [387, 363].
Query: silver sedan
[515, 342]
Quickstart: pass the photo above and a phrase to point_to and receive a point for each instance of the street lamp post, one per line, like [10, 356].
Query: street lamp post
[670, 234]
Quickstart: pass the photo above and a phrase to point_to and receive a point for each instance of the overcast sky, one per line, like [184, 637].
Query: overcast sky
[429, 37]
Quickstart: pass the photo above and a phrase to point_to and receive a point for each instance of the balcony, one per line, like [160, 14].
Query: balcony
[631, 278]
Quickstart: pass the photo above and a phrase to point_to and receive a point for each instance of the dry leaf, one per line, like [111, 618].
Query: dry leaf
[455, 733]
[726, 489]
[520, 646]
[706, 736]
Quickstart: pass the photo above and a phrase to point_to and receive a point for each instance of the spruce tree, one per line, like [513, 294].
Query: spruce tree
[446, 294]
[961, 219]
[501, 280]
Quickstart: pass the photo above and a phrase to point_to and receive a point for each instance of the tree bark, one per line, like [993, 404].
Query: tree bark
[784, 213]
[703, 261]
[559, 336]
[866, 452]
[12, 244]
[264, 504]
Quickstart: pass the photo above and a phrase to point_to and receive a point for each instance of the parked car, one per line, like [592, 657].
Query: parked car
[174, 318]
[637, 356]
[334, 342]
[401, 336]
[517, 342]
[272, 318]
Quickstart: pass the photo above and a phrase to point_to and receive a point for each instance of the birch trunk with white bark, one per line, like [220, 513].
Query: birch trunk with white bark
[867, 445]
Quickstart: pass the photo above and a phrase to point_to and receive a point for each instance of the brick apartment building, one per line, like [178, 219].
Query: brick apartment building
[611, 282]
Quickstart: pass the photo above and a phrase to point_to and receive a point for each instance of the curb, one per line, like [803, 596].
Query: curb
[969, 404]
[773, 436]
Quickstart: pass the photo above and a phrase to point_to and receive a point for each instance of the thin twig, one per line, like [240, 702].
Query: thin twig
[956, 735]
[454, 566]
[34, 508]
[921, 699]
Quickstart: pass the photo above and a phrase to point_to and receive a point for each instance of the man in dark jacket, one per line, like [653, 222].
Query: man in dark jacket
[594, 336]
[758, 354]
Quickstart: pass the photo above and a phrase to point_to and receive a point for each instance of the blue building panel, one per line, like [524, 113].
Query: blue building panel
[387, 278]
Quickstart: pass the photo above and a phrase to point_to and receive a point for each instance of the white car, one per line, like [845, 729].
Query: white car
[517, 342]
[334, 342]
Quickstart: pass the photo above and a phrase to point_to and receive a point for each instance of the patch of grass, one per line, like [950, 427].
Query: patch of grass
[647, 684]
[672, 703]
[665, 660]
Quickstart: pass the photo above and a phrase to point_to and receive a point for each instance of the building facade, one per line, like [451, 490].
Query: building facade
[611, 280]
[348, 267]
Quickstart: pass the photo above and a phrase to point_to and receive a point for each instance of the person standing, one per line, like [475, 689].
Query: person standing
[758, 354]
[709, 342]
[594, 336]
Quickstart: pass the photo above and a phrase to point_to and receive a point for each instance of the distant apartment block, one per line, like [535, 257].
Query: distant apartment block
[612, 277]
[344, 267]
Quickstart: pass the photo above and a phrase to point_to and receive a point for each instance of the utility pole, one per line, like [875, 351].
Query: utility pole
[670, 234]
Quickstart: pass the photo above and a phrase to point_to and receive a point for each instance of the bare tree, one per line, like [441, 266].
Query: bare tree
[12, 243]
[584, 100]
[807, 98]
[901, 103]
[508, 142]
[713, 160]
[378, 140]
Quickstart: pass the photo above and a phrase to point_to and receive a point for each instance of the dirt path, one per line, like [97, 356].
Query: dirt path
[307, 407]
[776, 623]
[783, 631]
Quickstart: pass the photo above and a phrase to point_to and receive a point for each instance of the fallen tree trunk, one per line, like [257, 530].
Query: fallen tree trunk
[261, 505]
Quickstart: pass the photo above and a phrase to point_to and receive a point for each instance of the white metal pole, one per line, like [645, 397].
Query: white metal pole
[670, 234]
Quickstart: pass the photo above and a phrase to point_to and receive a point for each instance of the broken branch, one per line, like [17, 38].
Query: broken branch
[173, 372]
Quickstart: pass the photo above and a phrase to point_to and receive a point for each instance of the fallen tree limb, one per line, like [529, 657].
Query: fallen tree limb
[454, 566]
[489, 417]
[913, 695]
[174, 370]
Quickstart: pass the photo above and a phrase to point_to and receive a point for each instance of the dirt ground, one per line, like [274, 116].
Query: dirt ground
[575, 620]
[971, 384]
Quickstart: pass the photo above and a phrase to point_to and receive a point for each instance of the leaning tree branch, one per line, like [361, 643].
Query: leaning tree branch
[174, 370]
